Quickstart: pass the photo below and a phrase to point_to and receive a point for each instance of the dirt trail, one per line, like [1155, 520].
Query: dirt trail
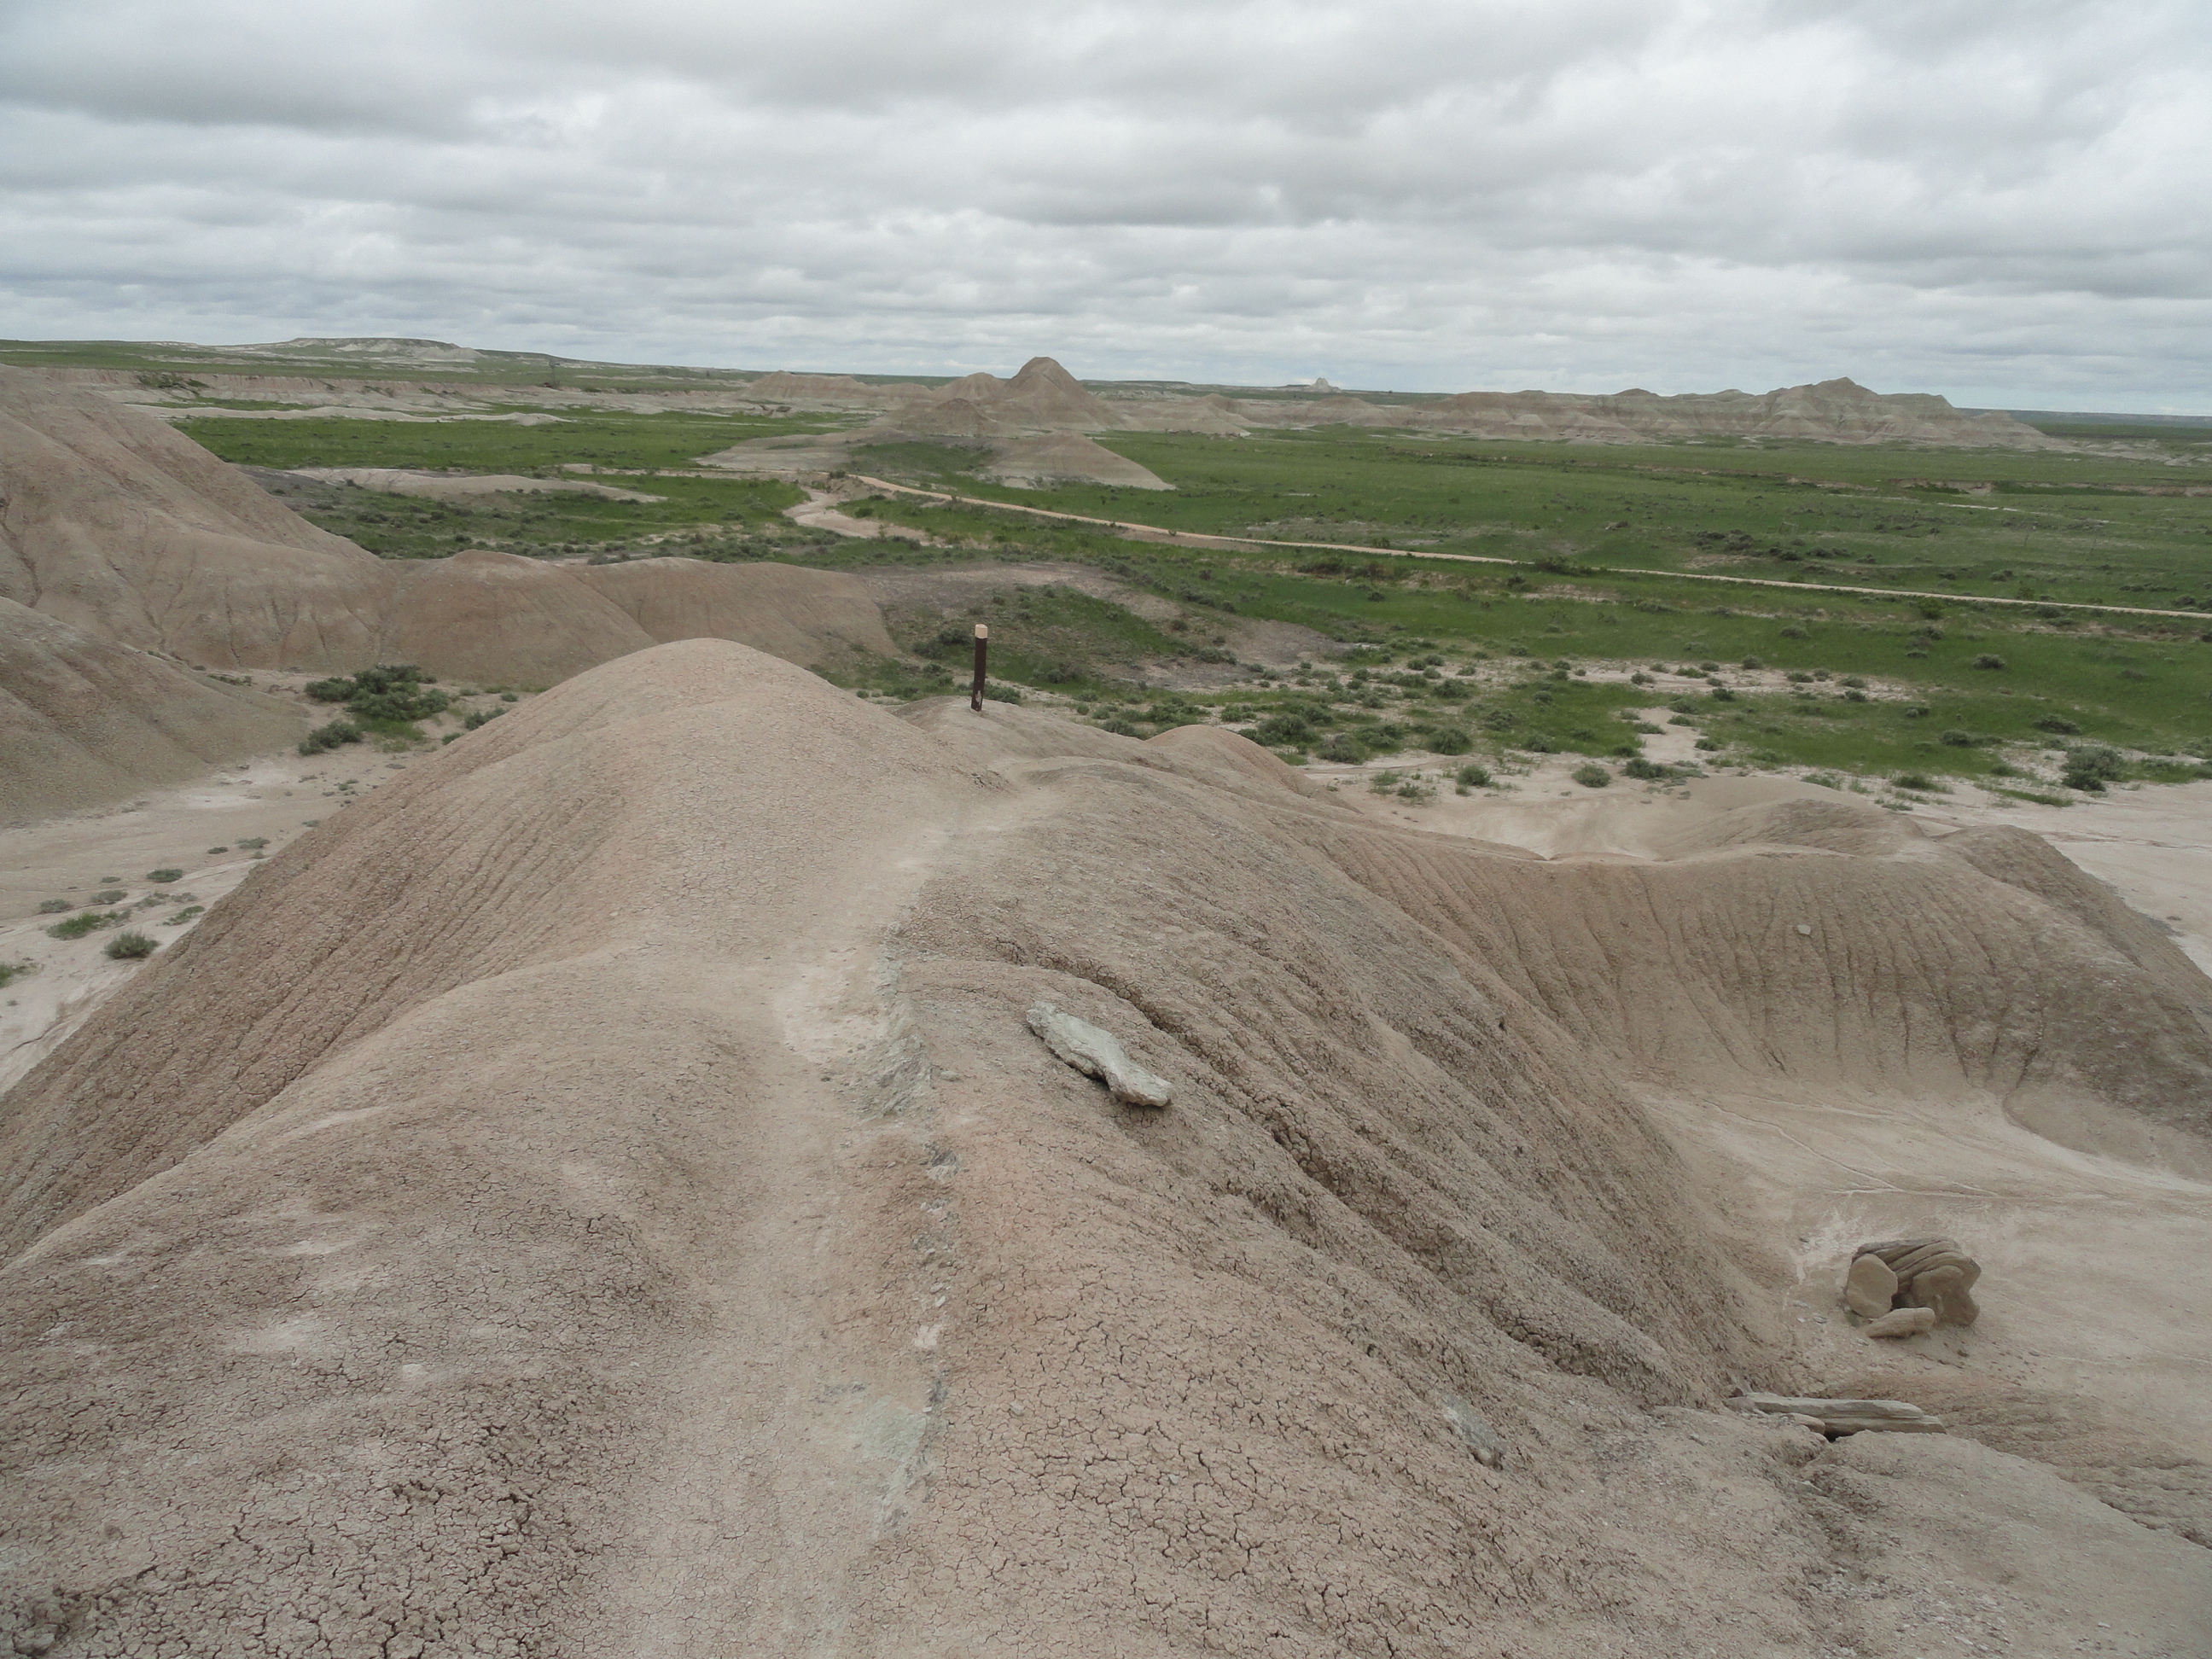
[1193, 537]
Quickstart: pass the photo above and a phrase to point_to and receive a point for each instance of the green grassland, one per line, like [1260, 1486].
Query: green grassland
[2070, 528]
[728, 517]
[1497, 662]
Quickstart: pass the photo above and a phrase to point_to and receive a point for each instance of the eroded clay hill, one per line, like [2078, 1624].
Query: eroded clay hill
[601, 1195]
[84, 721]
[149, 555]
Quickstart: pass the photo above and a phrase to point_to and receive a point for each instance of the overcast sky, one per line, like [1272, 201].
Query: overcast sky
[2005, 201]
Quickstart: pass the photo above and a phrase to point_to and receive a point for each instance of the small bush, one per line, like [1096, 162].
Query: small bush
[1536, 744]
[2091, 766]
[1752, 662]
[56, 907]
[164, 875]
[1989, 659]
[128, 947]
[1449, 740]
[113, 896]
[1721, 694]
[1119, 727]
[1855, 696]
[1344, 749]
[1957, 739]
[85, 921]
[1645, 771]
[1000, 693]
[1592, 776]
[1382, 782]
[2063, 727]
[1472, 776]
[1709, 744]
[325, 738]
[1919, 780]
[186, 916]
[1794, 632]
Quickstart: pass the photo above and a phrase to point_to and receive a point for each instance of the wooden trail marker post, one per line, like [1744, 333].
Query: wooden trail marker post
[982, 647]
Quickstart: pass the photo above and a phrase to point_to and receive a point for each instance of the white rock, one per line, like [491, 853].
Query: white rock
[1099, 1054]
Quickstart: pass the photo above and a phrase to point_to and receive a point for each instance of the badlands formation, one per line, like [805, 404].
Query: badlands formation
[634, 1183]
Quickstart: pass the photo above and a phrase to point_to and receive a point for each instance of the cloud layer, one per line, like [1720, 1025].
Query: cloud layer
[1997, 201]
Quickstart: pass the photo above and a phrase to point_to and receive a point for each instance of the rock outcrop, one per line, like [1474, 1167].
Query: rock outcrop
[1933, 1275]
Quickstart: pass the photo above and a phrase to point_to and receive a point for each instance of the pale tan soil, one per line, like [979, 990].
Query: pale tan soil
[600, 1196]
[2097, 1269]
[272, 797]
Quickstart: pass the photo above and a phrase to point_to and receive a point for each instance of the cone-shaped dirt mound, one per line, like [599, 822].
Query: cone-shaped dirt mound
[601, 1193]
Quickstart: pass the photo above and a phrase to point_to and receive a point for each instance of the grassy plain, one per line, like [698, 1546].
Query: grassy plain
[1491, 661]
[404, 526]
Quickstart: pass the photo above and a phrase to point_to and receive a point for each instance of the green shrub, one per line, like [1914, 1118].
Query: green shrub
[1646, 770]
[113, 896]
[85, 921]
[394, 693]
[1120, 728]
[164, 875]
[1956, 739]
[1989, 659]
[329, 736]
[12, 971]
[1919, 780]
[1592, 776]
[1472, 776]
[2091, 766]
[1283, 729]
[1709, 744]
[1449, 740]
[1000, 693]
[2063, 727]
[1752, 662]
[481, 717]
[186, 916]
[249, 843]
[126, 947]
[56, 907]
[1344, 749]
[1383, 782]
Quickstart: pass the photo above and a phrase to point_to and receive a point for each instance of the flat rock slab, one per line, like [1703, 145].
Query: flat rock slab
[1096, 1052]
[1845, 1416]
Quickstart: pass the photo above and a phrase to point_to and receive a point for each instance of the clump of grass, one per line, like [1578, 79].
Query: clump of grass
[2091, 766]
[164, 875]
[55, 907]
[327, 737]
[129, 947]
[251, 844]
[1472, 776]
[85, 921]
[12, 971]
[1592, 776]
[186, 916]
[111, 896]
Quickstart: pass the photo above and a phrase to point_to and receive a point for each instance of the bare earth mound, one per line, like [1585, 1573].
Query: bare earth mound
[84, 722]
[601, 1195]
[124, 529]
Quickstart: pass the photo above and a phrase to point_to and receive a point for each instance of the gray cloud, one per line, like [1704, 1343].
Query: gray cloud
[1996, 201]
